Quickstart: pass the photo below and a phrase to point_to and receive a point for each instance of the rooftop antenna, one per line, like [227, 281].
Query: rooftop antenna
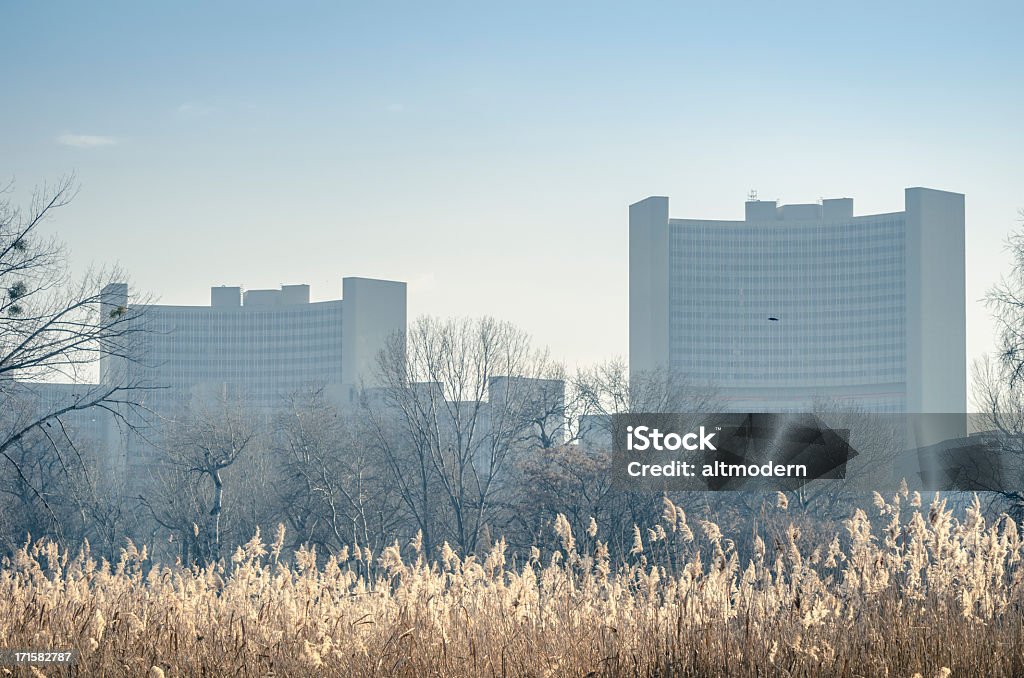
[752, 196]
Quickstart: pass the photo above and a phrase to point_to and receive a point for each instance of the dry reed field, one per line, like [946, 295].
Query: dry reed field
[908, 591]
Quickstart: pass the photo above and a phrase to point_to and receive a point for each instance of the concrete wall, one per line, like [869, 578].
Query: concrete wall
[372, 312]
[936, 311]
[225, 297]
[936, 302]
[112, 297]
[648, 286]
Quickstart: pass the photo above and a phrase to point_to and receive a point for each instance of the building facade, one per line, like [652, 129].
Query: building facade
[263, 344]
[801, 304]
[257, 347]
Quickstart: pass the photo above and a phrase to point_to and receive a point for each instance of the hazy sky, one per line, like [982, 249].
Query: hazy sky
[486, 153]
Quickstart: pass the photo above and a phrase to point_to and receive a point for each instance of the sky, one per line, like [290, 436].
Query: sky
[486, 153]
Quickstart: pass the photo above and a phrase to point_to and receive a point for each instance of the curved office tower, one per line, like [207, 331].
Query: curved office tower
[798, 304]
[262, 345]
[256, 348]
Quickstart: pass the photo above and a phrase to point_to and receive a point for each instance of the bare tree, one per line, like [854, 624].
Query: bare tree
[62, 492]
[553, 408]
[32, 500]
[611, 389]
[998, 385]
[330, 484]
[1006, 301]
[199, 447]
[177, 504]
[575, 479]
[999, 402]
[54, 328]
[452, 419]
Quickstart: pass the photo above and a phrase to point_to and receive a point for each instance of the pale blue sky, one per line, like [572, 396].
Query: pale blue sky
[487, 153]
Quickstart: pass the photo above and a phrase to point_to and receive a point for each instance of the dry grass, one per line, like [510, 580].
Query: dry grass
[914, 591]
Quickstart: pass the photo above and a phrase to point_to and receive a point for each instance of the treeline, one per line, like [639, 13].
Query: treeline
[472, 436]
[494, 449]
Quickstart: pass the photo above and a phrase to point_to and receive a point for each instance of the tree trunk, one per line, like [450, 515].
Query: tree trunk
[218, 503]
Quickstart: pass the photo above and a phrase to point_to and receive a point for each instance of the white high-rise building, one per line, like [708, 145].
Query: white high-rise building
[259, 346]
[262, 344]
[796, 304]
